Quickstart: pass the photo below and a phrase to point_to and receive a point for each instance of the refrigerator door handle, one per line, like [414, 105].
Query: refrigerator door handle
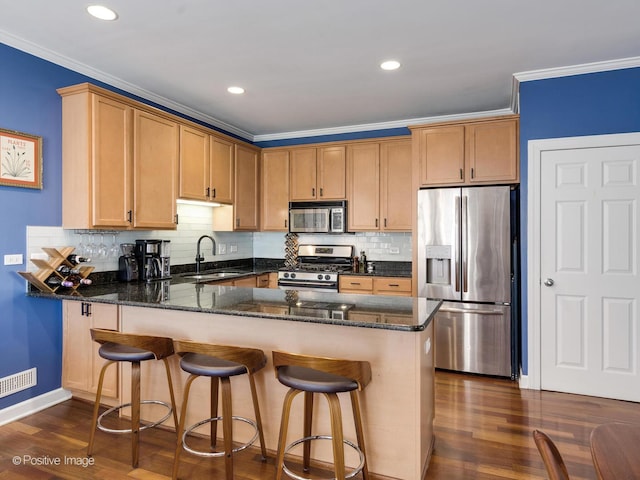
[457, 244]
[476, 311]
[465, 242]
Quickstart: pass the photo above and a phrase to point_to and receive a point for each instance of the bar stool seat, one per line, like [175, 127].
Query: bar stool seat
[219, 362]
[133, 348]
[328, 376]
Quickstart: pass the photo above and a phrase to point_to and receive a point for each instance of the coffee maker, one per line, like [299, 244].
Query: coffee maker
[128, 270]
[148, 256]
[165, 259]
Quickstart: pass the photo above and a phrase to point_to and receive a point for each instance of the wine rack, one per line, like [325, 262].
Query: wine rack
[57, 257]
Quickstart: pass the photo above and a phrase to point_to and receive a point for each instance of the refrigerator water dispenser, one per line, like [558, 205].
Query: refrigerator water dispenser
[438, 264]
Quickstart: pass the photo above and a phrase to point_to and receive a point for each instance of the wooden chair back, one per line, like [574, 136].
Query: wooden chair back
[252, 358]
[161, 347]
[550, 456]
[358, 371]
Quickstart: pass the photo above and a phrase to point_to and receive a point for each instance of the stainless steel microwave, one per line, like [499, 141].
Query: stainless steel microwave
[318, 217]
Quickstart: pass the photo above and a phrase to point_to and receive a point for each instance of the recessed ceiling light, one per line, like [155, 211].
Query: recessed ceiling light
[390, 65]
[235, 90]
[102, 12]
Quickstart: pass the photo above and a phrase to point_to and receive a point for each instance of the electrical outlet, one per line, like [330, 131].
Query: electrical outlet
[222, 248]
[233, 248]
[15, 259]
[394, 250]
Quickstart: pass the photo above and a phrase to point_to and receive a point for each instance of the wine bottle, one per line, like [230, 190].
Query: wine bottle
[75, 259]
[78, 280]
[65, 270]
[54, 281]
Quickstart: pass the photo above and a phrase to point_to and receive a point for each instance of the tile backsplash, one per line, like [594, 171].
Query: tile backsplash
[196, 221]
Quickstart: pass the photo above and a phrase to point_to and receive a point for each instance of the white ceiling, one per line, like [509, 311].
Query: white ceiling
[311, 67]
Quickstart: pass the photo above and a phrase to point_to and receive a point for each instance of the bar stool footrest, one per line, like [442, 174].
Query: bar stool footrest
[143, 427]
[201, 453]
[351, 474]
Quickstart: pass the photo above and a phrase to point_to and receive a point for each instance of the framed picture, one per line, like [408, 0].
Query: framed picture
[20, 159]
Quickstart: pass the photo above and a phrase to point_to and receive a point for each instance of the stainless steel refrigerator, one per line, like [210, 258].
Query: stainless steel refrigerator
[464, 255]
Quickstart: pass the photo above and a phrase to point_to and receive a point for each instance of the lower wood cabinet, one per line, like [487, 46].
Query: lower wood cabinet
[81, 363]
[400, 286]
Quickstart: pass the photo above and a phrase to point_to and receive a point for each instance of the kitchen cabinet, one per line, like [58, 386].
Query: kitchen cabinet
[249, 281]
[81, 363]
[246, 196]
[379, 180]
[476, 152]
[262, 281]
[206, 166]
[275, 191]
[120, 162]
[318, 173]
[400, 286]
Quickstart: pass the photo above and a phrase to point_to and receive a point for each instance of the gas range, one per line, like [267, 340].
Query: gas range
[319, 267]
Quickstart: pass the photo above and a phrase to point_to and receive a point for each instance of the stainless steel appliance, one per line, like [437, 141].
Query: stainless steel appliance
[148, 256]
[128, 270]
[318, 217]
[464, 257]
[318, 268]
[165, 259]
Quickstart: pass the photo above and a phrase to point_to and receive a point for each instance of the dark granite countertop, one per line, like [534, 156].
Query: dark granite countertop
[179, 293]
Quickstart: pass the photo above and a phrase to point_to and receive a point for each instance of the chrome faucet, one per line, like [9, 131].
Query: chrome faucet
[199, 257]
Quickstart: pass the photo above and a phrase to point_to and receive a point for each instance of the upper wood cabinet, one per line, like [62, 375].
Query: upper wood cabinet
[318, 173]
[120, 163]
[206, 166]
[245, 204]
[275, 191]
[478, 152]
[379, 186]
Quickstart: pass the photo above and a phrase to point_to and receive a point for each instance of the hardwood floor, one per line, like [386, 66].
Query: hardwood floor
[483, 431]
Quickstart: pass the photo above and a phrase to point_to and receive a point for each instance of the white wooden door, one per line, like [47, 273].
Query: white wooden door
[589, 271]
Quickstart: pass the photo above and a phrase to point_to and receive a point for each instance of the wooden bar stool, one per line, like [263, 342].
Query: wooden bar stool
[303, 373]
[133, 348]
[219, 362]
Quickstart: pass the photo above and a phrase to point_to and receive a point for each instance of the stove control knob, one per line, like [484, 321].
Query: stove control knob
[327, 277]
[293, 275]
[319, 276]
[286, 275]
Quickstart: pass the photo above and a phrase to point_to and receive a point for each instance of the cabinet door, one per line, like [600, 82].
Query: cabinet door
[392, 286]
[222, 171]
[111, 163]
[81, 363]
[245, 206]
[492, 153]
[303, 174]
[355, 284]
[155, 174]
[194, 164]
[441, 155]
[395, 186]
[275, 191]
[364, 187]
[245, 282]
[331, 173]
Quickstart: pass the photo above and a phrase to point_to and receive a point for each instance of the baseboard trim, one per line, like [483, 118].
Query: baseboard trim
[523, 382]
[33, 405]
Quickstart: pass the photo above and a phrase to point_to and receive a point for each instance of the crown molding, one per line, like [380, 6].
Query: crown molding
[366, 127]
[579, 69]
[116, 82]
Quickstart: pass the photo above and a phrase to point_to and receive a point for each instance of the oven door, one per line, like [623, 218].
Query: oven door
[309, 220]
[308, 285]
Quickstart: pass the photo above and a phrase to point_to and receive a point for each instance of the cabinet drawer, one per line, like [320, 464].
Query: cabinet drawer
[349, 283]
[392, 286]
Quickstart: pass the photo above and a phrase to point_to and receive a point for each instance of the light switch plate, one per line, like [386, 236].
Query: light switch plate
[233, 248]
[14, 259]
[222, 248]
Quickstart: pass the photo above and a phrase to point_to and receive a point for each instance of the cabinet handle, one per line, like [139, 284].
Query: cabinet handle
[461, 174]
[313, 192]
[130, 216]
[208, 194]
[376, 223]
[285, 223]
[237, 222]
[354, 283]
[85, 309]
[385, 223]
[394, 285]
[176, 219]
[321, 191]
[214, 193]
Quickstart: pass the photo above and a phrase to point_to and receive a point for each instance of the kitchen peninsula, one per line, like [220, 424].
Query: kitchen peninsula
[393, 333]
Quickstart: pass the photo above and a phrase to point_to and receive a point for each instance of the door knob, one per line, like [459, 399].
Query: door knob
[548, 282]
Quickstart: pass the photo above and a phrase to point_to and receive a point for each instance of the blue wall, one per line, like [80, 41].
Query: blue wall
[591, 104]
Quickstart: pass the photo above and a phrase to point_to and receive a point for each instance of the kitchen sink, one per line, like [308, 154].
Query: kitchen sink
[203, 277]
